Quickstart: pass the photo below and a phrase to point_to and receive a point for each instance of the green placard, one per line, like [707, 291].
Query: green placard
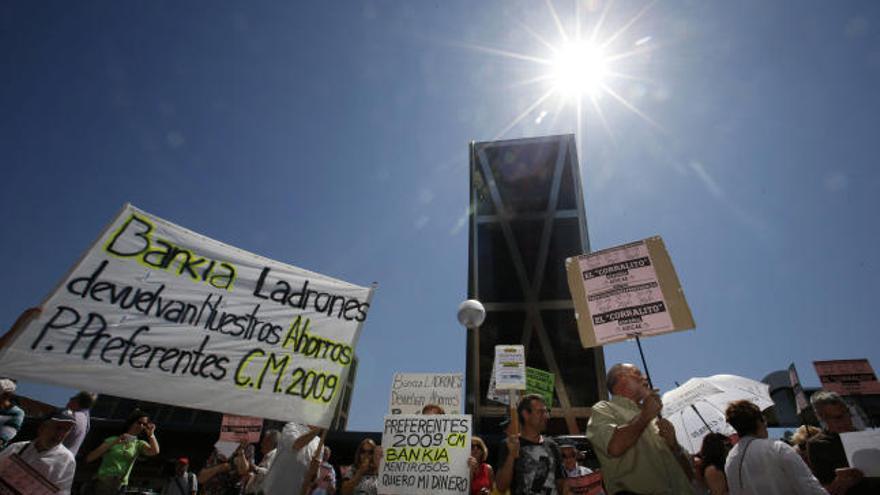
[540, 382]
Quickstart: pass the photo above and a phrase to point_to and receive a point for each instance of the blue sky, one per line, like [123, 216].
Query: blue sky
[335, 138]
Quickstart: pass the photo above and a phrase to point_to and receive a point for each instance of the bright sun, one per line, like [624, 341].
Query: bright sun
[578, 69]
[585, 67]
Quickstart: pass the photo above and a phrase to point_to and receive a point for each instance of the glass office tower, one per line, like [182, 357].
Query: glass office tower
[527, 215]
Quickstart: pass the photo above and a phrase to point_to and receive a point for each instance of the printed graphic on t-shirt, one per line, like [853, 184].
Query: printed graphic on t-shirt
[535, 471]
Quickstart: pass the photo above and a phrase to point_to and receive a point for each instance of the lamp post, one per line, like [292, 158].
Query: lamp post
[471, 315]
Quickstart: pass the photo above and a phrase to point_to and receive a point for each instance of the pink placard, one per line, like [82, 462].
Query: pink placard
[238, 428]
[17, 477]
[848, 376]
[589, 484]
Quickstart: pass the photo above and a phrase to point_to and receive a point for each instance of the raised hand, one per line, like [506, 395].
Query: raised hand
[651, 405]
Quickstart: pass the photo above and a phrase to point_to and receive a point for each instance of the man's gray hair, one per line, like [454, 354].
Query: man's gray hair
[824, 398]
[274, 435]
[611, 377]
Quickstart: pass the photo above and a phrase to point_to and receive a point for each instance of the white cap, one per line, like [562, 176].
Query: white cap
[7, 386]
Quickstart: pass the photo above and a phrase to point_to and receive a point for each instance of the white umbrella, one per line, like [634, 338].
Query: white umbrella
[698, 406]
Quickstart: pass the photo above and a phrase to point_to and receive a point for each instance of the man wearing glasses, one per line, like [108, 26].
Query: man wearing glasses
[530, 463]
[635, 446]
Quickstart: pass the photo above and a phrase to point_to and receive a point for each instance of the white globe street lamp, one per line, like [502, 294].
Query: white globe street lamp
[471, 313]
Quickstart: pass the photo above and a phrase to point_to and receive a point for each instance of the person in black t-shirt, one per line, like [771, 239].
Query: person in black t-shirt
[531, 464]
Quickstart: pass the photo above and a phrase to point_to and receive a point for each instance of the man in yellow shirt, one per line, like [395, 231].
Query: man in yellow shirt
[636, 448]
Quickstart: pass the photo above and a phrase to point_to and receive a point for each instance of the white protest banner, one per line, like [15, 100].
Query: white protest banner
[510, 367]
[156, 312]
[235, 428]
[862, 450]
[410, 392]
[226, 447]
[492, 392]
[626, 291]
[423, 455]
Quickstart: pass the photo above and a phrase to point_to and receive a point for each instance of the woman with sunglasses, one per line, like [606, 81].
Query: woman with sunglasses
[482, 476]
[119, 453]
[361, 477]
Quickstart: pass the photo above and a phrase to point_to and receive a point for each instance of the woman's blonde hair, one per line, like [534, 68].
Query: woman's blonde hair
[482, 445]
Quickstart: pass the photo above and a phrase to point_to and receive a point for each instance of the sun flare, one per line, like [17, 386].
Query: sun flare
[579, 69]
[589, 61]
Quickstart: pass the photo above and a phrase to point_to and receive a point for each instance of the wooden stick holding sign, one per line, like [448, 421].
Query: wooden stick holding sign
[314, 466]
[514, 415]
[644, 363]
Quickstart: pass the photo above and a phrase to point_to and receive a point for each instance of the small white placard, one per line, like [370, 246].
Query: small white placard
[863, 450]
[510, 367]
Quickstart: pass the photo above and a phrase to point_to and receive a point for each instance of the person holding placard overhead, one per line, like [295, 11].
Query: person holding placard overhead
[530, 463]
[635, 446]
[296, 450]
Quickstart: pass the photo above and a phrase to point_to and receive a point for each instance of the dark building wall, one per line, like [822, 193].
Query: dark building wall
[527, 216]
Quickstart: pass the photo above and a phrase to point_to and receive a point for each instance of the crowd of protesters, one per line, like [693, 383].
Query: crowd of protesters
[639, 453]
[635, 446]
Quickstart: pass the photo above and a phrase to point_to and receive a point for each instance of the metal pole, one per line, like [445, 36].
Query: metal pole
[644, 363]
[694, 407]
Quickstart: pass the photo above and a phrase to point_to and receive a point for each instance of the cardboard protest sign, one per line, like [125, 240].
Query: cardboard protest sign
[626, 291]
[848, 376]
[240, 428]
[156, 312]
[540, 382]
[425, 454]
[588, 484]
[410, 392]
[17, 477]
[862, 450]
[510, 367]
[537, 382]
